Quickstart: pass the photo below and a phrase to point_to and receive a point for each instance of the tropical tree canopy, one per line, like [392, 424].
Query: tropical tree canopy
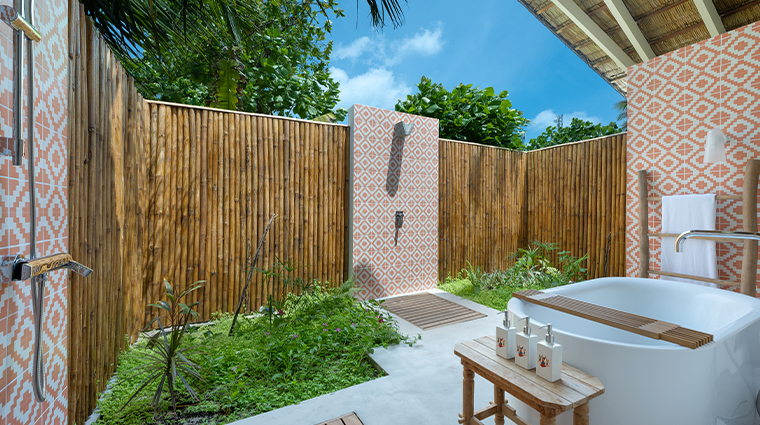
[577, 130]
[468, 113]
[265, 56]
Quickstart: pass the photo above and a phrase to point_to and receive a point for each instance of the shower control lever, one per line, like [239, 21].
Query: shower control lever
[399, 221]
[24, 269]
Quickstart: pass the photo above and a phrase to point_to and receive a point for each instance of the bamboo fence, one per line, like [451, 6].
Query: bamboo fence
[482, 206]
[493, 201]
[160, 190]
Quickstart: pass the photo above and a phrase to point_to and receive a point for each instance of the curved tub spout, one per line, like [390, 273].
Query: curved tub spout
[715, 234]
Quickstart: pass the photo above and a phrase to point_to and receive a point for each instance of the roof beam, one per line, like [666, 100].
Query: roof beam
[594, 32]
[710, 17]
[623, 16]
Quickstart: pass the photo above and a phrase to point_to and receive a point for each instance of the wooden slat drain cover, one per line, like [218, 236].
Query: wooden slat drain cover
[349, 419]
[428, 311]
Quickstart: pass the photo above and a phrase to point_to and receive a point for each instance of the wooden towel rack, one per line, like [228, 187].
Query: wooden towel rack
[749, 220]
[645, 326]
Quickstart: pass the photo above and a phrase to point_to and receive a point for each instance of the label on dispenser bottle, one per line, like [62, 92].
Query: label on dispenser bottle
[543, 361]
[501, 342]
[521, 351]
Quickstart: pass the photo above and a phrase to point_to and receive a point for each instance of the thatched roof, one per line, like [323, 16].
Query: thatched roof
[609, 46]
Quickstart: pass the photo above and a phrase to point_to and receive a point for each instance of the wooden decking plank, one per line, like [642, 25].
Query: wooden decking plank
[451, 317]
[428, 311]
[641, 325]
[347, 419]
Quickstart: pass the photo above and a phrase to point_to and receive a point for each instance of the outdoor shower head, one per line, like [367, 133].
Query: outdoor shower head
[403, 129]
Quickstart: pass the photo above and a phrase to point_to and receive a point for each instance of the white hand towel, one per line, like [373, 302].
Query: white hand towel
[689, 212]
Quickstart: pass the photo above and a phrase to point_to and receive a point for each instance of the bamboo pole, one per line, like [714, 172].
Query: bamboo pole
[749, 223]
[643, 225]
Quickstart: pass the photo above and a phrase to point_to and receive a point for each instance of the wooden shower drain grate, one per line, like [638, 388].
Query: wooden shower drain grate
[349, 419]
[428, 311]
[645, 326]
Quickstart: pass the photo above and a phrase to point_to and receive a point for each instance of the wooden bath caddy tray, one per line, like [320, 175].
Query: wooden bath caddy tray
[645, 326]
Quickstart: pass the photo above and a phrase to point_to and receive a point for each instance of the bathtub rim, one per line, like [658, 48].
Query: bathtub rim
[719, 335]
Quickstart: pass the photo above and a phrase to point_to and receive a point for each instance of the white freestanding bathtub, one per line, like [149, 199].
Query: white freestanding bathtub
[649, 381]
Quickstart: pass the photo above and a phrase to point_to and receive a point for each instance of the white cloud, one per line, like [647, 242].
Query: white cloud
[382, 53]
[377, 87]
[353, 50]
[546, 118]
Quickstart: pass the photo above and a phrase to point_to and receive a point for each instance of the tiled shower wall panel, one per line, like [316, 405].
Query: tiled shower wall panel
[389, 174]
[17, 403]
[673, 101]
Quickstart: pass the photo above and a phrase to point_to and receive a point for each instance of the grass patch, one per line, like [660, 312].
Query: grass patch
[532, 269]
[496, 298]
[269, 362]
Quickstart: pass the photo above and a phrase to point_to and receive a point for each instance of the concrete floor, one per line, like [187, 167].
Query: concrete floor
[423, 386]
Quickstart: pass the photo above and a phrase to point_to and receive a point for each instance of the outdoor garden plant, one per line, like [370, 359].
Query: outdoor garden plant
[532, 269]
[310, 343]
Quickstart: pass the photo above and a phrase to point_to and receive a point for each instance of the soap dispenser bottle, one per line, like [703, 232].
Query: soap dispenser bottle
[505, 338]
[525, 347]
[549, 357]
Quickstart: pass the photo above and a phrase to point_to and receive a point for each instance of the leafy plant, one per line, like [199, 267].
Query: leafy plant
[318, 350]
[622, 108]
[577, 130]
[268, 57]
[468, 113]
[166, 356]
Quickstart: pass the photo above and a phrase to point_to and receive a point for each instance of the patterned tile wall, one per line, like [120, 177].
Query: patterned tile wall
[390, 174]
[673, 101]
[17, 403]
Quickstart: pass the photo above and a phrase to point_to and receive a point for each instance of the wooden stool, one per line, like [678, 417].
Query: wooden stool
[549, 399]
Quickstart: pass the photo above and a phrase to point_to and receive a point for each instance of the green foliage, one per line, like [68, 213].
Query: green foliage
[165, 356]
[622, 108]
[273, 61]
[496, 298]
[577, 130]
[132, 27]
[533, 266]
[532, 269]
[320, 345]
[468, 113]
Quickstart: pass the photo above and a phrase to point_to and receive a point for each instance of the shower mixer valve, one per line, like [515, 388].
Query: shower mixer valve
[37, 270]
[24, 269]
[399, 221]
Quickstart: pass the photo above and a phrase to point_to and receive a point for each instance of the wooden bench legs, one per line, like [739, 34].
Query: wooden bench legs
[500, 409]
[498, 400]
[468, 395]
[580, 415]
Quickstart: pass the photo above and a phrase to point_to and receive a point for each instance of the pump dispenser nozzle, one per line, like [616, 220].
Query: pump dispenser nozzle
[506, 322]
[526, 330]
[549, 334]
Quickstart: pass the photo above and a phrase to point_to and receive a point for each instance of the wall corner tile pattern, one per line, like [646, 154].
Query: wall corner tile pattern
[390, 174]
[674, 102]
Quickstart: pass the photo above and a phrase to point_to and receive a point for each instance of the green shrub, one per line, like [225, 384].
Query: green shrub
[318, 348]
[532, 269]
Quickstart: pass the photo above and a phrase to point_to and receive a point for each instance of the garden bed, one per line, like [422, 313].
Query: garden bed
[318, 343]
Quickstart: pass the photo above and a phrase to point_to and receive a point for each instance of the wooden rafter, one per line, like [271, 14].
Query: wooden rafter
[623, 16]
[600, 37]
[710, 17]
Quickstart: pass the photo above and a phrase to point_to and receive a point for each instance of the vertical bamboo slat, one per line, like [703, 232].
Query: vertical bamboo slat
[572, 195]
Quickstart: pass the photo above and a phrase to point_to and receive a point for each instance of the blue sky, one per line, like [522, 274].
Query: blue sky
[488, 43]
